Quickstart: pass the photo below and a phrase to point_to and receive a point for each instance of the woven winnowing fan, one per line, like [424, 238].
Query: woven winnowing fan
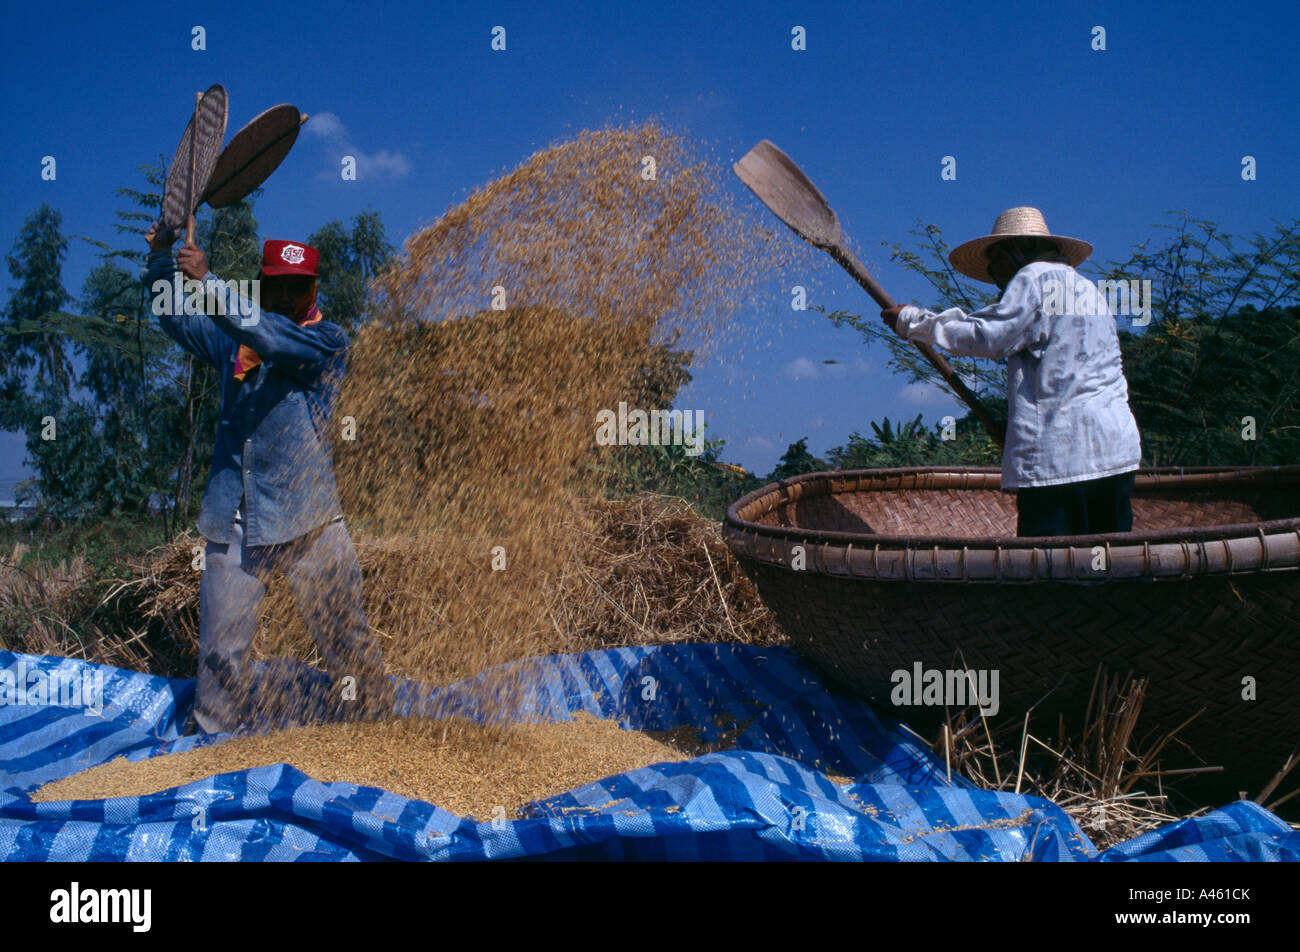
[253, 154]
[202, 143]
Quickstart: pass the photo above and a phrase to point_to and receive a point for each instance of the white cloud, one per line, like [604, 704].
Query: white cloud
[393, 164]
[919, 393]
[801, 368]
[384, 164]
[325, 125]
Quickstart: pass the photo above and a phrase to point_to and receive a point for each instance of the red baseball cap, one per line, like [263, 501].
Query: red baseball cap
[289, 257]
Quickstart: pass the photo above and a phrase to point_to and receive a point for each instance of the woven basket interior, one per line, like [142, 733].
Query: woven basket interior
[983, 513]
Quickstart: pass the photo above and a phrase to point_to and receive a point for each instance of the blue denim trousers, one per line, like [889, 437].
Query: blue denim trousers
[324, 578]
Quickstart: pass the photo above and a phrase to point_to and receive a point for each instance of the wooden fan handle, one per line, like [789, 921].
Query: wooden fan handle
[189, 187]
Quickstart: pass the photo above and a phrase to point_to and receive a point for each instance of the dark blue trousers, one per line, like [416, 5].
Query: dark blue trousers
[1083, 508]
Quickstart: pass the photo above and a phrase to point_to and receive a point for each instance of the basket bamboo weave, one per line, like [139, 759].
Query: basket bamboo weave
[876, 571]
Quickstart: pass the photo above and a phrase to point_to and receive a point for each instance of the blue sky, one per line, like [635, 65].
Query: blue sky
[1105, 143]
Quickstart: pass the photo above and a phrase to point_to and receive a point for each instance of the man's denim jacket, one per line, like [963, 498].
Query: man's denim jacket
[273, 440]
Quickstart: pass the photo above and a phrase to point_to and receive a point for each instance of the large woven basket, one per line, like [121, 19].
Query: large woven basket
[912, 566]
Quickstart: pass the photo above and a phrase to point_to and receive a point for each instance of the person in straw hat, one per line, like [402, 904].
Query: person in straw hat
[271, 505]
[1072, 444]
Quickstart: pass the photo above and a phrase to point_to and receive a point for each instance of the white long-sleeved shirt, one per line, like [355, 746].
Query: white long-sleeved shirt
[1069, 418]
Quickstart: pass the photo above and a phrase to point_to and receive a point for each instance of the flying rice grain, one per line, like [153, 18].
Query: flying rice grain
[491, 344]
[476, 425]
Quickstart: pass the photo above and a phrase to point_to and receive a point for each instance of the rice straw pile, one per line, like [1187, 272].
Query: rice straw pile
[1107, 776]
[651, 571]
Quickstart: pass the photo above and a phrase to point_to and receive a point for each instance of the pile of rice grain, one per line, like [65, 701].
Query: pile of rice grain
[465, 768]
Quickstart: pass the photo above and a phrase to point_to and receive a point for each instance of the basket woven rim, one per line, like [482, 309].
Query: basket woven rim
[1166, 478]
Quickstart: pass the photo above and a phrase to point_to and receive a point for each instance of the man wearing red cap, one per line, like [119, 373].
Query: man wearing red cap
[271, 504]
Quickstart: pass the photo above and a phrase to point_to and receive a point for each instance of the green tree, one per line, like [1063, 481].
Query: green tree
[1220, 391]
[1219, 363]
[32, 347]
[119, 459]
[229, 238]
[703, 480]
[911, 444]
[348, 260]
[36, 263]
[796, 461]
[137, 437]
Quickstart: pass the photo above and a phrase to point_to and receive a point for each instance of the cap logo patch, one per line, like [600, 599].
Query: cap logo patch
[292, 254]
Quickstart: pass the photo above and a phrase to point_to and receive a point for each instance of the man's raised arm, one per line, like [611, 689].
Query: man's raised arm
[193, 332]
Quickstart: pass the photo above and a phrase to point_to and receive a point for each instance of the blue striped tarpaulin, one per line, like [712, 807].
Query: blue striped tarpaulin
[770, 798]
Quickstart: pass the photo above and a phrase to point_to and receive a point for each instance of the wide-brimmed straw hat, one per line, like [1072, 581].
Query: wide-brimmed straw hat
[971, 258]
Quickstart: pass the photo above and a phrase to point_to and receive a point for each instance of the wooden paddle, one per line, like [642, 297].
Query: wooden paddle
[792, 197]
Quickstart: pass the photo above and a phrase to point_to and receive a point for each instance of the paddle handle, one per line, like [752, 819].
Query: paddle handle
[189, 188]
[849, 262]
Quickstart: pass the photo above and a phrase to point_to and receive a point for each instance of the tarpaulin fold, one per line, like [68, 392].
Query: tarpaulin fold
[772, 797]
